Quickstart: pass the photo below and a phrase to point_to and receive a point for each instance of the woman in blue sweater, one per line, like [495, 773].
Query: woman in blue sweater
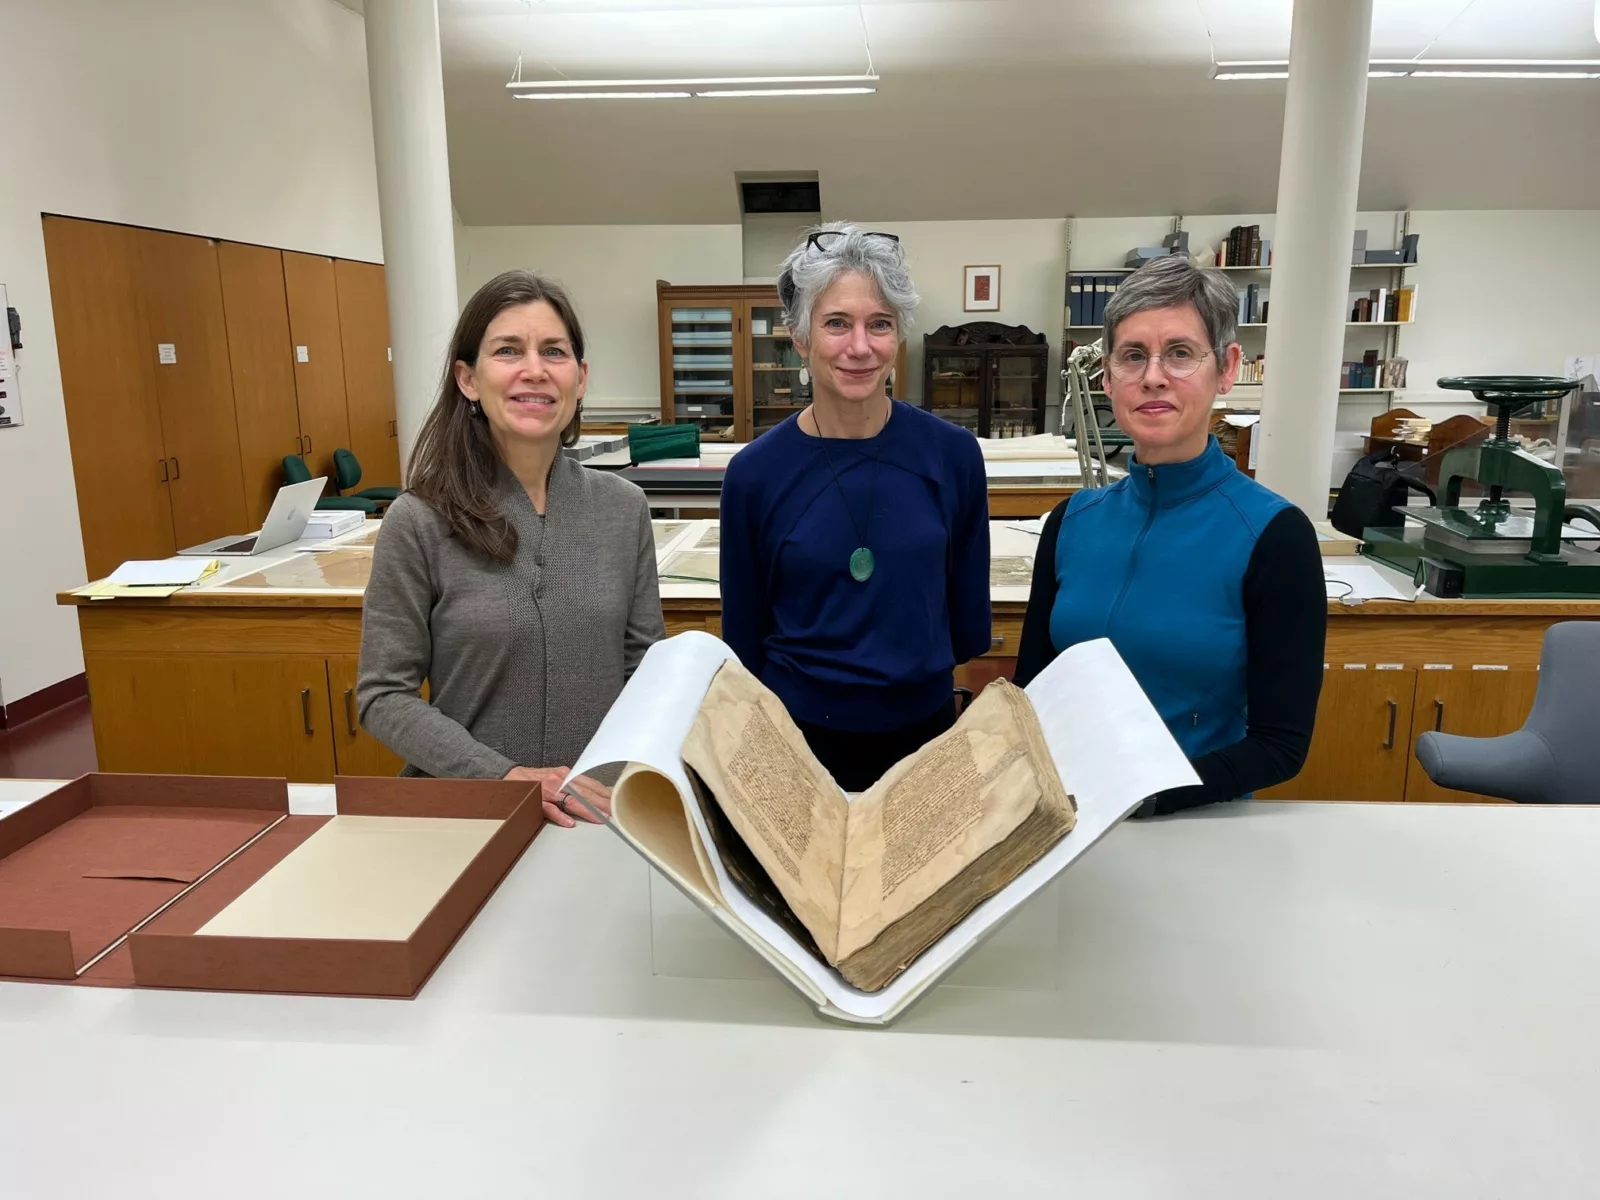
[1209, 585]
[855, 535]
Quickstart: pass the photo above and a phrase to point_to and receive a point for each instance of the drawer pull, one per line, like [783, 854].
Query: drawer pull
[1438, 716]
[1394, 713]
[350, 710]
[305, 710]
[997, 641]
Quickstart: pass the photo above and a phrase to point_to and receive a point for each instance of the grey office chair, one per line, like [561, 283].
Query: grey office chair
[1555, 757]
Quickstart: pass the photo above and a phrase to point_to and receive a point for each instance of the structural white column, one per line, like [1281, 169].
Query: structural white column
[419, 256]
[1317, 177]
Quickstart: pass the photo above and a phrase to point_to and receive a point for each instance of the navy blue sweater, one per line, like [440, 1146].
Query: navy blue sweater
[869, 656]
[1210, 587]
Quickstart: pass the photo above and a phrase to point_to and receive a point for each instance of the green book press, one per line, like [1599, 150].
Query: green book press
[1495, 549]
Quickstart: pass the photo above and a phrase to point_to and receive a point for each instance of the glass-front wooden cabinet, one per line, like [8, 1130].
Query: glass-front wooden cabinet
[987, 377]
[728, 360]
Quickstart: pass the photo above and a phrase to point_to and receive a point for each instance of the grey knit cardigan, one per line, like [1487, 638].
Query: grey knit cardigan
[522, 659]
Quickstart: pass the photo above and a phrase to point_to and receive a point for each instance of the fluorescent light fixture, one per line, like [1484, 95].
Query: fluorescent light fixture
[831, 91]
[1436, 68]
[605, 96]
[723, 86]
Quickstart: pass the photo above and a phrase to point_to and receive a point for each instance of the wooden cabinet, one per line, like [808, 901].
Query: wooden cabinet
[108, 364]
[318, 358]
[356, 752]
[728, 361]
[214, 714]
[182, 386]
[1474, 703]
[986, 377]
[368, 374]
[1361, 749]
[194, 386]
[262, 360]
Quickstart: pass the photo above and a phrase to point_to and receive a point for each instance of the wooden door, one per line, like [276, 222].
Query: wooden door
[194, 383]
[318, 358]
[213, 714]
[356, 751]
[368, 374]
[1471, 703]
[262, 358]
[108, 363]
[1360, 747]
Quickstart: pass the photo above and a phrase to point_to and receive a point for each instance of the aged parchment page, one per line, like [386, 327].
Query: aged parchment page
[777, 796]
[937, 812]
[357, 878]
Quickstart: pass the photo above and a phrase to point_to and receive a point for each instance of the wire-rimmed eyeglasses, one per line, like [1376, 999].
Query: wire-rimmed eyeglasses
[1179, 361]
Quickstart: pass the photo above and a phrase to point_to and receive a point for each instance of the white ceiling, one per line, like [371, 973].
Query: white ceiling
[993, 108]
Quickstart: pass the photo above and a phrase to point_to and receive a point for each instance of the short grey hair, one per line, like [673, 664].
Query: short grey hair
[1171, 283]
[808, 272]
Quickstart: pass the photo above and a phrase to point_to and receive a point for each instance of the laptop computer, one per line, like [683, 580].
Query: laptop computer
[286, 521]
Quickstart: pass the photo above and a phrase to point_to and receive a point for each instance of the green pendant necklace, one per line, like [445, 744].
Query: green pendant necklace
[862, 562]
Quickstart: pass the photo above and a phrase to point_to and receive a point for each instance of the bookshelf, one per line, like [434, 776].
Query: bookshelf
[1370, 346]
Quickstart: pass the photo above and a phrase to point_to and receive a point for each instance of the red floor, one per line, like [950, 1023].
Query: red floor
[58, 745]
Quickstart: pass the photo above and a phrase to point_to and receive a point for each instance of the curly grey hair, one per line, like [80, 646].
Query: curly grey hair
[1169, 283]
[807, 273]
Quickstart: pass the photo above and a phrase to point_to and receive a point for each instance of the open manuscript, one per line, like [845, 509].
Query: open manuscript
[863, 902]
[876, 880]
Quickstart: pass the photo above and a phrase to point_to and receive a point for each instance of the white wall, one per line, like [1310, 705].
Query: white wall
[1033, 267]
[768, 240]
[241, 119]
[611, 273]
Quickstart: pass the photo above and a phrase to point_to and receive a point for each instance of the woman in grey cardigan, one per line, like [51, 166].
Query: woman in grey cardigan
[520, 585]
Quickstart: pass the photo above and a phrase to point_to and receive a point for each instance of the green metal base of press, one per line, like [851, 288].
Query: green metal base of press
[1575, 576]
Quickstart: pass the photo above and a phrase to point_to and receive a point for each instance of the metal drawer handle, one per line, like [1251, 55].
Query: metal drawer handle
[308, 443]
[350, 710]
[165, 477]
[997, 641]
[1394, 713]
[305, 709]
[1438, 715]
[177, 469]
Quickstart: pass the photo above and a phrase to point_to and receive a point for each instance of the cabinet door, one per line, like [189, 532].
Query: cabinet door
[108, 364]
[1471, 703]
[356, 751]
[262, 358]
[183, 294]
[1016, 391]
[770, 373]
[319, 379]
[213, 714]
[1359, 748]
[368, 375]
[703, 365]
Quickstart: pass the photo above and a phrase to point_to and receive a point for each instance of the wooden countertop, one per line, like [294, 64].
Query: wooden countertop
[249, 583]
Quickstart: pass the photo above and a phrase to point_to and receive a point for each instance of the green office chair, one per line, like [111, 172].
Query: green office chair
[296, 471]
[347, 473]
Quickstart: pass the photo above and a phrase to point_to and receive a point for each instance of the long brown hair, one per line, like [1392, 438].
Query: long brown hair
[454, 461]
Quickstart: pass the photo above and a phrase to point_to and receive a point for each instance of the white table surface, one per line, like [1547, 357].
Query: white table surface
[1269, 1001]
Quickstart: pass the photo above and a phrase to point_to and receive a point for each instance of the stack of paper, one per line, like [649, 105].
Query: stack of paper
[149, 578]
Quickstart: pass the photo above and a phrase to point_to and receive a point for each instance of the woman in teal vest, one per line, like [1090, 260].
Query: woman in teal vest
[1208, 584]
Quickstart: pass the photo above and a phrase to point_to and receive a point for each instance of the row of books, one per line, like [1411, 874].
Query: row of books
[1245, 247]
[1253, 370]
[1253, 305]
[1386, 304]
[1371, 372]
[1087, 296]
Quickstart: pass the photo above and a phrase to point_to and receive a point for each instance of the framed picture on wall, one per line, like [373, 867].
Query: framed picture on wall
[981, 292]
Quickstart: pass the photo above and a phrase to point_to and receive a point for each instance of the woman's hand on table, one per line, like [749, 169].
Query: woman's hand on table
[559, 808]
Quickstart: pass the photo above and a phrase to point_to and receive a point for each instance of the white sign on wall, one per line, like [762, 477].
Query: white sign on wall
[10, 392]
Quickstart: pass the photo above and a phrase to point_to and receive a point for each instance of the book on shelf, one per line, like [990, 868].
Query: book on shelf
[864, 902]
